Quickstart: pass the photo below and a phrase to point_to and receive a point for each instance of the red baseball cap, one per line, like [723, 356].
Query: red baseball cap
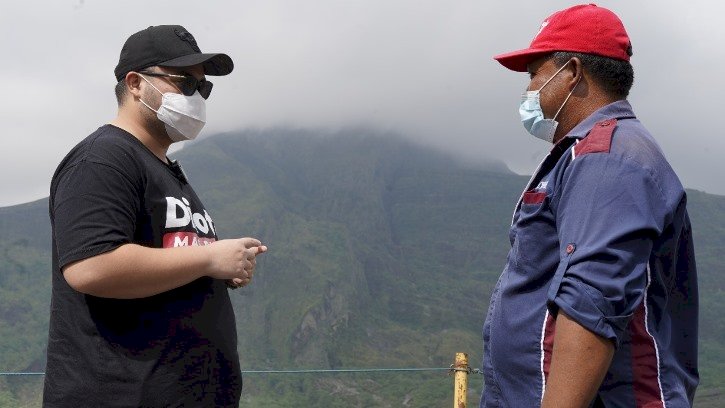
[585, 28]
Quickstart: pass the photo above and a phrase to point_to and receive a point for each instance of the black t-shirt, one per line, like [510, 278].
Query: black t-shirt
[177, 348]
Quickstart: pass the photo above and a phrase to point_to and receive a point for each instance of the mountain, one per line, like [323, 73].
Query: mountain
[382, 253]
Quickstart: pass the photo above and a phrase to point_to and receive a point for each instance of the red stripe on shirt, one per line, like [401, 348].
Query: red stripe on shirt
[645, 372]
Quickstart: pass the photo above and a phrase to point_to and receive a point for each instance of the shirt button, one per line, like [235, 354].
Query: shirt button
[570, 248]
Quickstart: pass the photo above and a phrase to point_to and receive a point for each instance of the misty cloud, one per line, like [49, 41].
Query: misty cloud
[421, 68]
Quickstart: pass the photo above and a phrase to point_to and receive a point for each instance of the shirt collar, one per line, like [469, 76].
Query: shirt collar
[618, 110]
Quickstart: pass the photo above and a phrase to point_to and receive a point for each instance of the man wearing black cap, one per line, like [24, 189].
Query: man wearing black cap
[140, 314]
[597, 303]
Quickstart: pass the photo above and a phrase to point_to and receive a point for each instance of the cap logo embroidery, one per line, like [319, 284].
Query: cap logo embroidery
[543, 25]
[186, 36]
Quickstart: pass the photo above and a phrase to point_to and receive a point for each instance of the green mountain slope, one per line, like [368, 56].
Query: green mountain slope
[381, 254]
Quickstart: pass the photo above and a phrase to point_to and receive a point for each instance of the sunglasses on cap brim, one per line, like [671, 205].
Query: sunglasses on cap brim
[187, 83]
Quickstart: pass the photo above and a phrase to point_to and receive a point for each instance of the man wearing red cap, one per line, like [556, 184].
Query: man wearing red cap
[140, 314]
[597, 304]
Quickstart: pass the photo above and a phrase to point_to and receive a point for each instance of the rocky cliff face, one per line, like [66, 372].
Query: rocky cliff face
[312, 337]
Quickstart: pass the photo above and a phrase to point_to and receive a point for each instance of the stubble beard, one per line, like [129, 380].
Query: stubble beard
[151, 121]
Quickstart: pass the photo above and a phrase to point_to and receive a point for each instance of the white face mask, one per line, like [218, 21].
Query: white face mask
[184, 116]
[533, 117]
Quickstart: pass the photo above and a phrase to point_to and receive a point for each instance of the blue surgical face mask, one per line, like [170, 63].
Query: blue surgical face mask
[533, 117]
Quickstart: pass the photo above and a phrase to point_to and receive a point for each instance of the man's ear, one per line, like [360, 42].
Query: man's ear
[133, 83]
[576, 70]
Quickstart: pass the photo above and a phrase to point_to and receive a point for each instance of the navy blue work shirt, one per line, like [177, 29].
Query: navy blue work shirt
[601, 232]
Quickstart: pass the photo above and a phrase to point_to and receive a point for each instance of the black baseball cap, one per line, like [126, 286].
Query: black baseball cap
[168, 46]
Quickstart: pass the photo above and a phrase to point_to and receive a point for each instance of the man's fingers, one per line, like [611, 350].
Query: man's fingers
[241, 281]
[259, 249]
[251, 242]
[254, 251]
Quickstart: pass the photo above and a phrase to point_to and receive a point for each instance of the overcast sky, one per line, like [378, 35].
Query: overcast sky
[423, 68]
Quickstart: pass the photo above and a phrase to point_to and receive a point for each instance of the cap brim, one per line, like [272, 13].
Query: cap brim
[519, 60]
[214, 64]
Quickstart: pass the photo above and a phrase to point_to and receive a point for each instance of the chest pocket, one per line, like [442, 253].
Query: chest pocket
[533, 197]
[536, 239]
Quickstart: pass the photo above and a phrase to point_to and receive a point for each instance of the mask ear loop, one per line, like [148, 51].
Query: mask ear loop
[553, 76]
[567, 98]
[152, 85]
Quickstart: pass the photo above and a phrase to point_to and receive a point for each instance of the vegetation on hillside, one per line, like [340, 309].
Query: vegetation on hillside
[381, 254]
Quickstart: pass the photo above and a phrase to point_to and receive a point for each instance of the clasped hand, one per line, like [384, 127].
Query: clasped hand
[234, 260]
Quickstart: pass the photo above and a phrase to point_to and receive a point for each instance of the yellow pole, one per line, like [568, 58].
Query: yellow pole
[461, 380]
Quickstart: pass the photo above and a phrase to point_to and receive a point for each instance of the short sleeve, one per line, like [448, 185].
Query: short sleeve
[94, 209]
[609, 212]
